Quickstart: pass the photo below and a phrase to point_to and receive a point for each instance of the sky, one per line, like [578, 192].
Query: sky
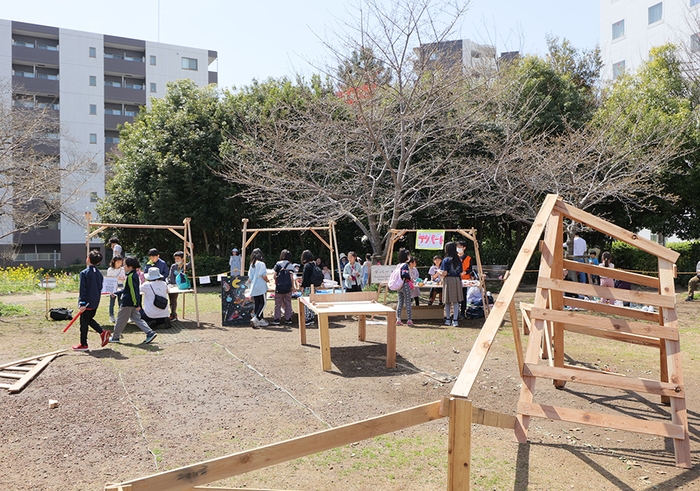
[275, 38]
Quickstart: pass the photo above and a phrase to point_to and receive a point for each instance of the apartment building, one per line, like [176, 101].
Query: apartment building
[476, 59]
[93, 82]
[630, 28]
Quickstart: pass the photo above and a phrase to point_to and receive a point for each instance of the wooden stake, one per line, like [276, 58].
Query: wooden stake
[459, 445]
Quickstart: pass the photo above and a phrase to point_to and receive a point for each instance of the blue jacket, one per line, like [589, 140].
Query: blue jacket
[161, 265]
[90, 287]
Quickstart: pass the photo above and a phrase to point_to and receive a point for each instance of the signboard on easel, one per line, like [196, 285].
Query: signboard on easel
[380, 274]
[236, 310]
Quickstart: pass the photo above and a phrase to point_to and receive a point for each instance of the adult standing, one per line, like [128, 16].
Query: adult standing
[580, 250]
[352, 274]
[693, 284]
[257, 272]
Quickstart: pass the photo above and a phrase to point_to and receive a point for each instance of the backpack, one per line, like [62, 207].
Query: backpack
[182, 281]
[61, 314]
[283, 281]
[395, 281]
[317, 276]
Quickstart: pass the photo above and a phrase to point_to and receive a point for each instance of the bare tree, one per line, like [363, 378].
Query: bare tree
[35, 184]
[396, 138]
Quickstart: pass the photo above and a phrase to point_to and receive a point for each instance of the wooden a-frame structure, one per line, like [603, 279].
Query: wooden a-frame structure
[551, 321]
[331, 244]
[185, 236]
[469, 233]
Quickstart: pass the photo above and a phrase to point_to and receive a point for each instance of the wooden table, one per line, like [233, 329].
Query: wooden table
[174, 289]
[361, 304]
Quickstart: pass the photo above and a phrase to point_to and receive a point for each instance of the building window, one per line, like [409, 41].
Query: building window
[693, 3]
[189, 63]
[93, 197]
[93, 109]
[656, 13]
[618, 69]
[93, 52]
[93, 81]
[93, 138]
[153, 87]
[152, 61]
[618, 29]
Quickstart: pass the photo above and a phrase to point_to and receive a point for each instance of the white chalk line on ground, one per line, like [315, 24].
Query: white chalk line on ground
[138, 417]
[275, 385]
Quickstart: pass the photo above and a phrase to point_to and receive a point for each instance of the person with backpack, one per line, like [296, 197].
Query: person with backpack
[404, 293]
[451, 271]
[310, 276]
[352, 274]
[284, 286]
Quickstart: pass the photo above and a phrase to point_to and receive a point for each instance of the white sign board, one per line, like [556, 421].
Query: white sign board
[380, 274]
[109, 284]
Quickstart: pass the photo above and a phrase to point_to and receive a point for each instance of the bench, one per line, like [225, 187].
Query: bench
[493, 272]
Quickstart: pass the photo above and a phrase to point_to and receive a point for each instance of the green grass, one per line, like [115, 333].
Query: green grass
[9, 310]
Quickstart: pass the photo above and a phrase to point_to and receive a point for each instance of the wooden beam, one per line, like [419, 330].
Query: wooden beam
[133, 225]
[180, 236]
[619, 274]
[619, 233]
[602, 379]
[611, 309]
[184, 478]
[11, 375]
[615, 336]
[517, 340]
[323, 241]
[605, 292]
[492, 418]
[29, 376]
[32, 358]
[459, 445]
[658, 428]
[605, 323]
[483, 342]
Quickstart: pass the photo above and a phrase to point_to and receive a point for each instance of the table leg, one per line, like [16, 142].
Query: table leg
[302, 321]
[183, 305]
[362, 328]
[390, 341]
[325, 343]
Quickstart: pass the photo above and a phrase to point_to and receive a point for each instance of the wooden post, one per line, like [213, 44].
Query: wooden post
[190, 243]
[302, 320]
[324, 340]
[88, 219]
[556, 300]
[459, 445]
[245, 234]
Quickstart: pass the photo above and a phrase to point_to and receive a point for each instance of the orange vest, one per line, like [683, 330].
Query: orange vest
[467, 268]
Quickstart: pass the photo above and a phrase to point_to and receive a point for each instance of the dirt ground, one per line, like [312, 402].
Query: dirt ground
[130, 410]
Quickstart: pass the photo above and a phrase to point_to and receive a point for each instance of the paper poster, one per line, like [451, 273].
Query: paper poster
[236, 310]
[109, 285]
[430, 239]
[380, 274]
[204, 280]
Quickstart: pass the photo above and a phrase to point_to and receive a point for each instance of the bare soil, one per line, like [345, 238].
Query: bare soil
[130, 410]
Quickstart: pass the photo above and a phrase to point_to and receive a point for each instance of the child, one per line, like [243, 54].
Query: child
[593, 259]
[405, 291]
[466, 273]
[150, 313]
[257, 274]
[116, 248]
[89, 299]
[154, 261]
[234, 263]
[451, 271]
[366, 269]
[434, 276]
[415, 275]
[116, 270]
[351, 274]
[307, 260]
[131, 304]
[604, 281]
[284, 286]
[327, 273]
[177, 267]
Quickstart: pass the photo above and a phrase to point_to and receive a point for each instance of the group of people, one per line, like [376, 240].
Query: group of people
[142, 298]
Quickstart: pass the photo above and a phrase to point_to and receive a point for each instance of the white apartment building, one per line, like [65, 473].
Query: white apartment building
[94, 82]
[630, 28]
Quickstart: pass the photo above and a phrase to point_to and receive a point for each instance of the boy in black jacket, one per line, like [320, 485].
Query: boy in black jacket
[89, 299]
[131, 303]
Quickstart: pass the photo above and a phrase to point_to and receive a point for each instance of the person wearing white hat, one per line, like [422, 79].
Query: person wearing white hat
[150, 313]
[234, 263]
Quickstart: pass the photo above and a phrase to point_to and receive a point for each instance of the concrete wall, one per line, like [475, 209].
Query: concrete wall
[168, 67]
[5, 104]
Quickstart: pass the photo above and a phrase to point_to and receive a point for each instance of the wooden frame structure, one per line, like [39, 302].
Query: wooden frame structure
[331, 244]
[550, 322]
[26, 369]
[469, 233]
[185, 236]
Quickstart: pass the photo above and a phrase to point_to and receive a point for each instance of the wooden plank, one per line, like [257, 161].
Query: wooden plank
[615, 336]
[658, 428]
[324, 341]
[5, 386]
[29, 376]
[18, 369]
[611, 309]
[617, 232]
[619, 274]
[131, 225]
[459, 445]
[322, 298]
[602, 379]
[525, 315]
[605, 292]
[32, 359]
[477, 355]
[184, 478]
[679, 414]
[516, 337]
[362, 328]
[556, 302]
[391, 341]
[605, 323]
[11, 375]
[492, 418]
[302, 320]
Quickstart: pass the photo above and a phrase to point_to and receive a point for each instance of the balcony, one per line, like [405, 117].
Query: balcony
[112, 121]
[34, 55]
[39, 236]
[120, 94]
[36, 85]
[124, 67]
[213, 77]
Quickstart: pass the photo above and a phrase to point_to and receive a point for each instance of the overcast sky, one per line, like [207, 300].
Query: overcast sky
[272, 38]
